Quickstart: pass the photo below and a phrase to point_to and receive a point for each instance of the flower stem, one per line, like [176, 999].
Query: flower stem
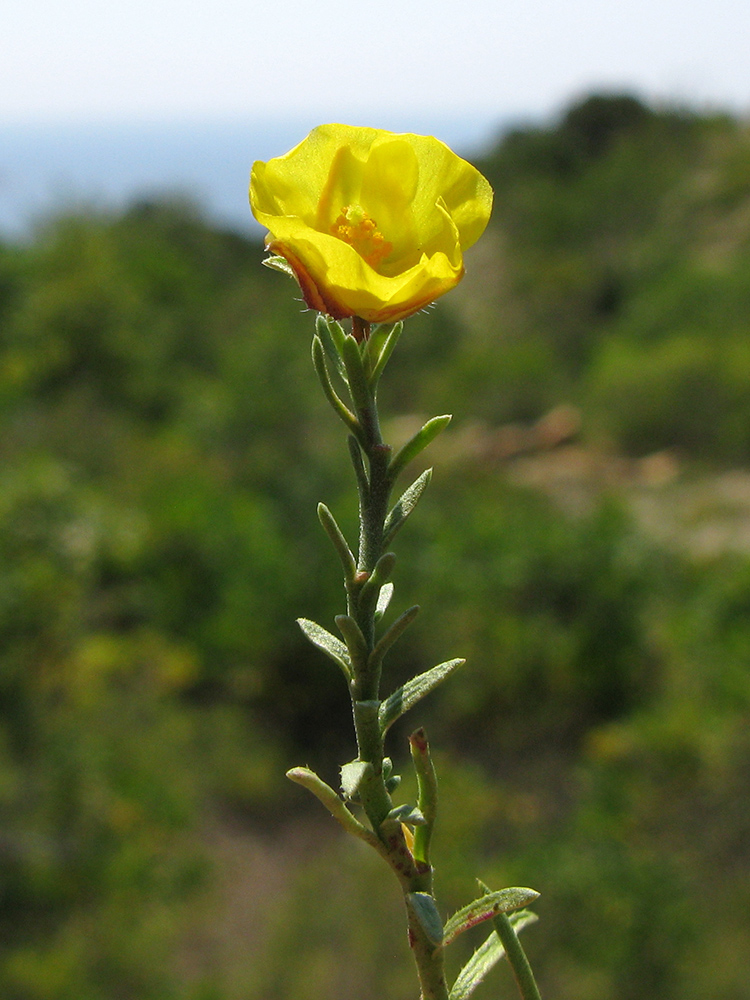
[375, 483]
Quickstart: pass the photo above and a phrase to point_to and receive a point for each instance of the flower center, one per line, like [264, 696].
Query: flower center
[355, 227]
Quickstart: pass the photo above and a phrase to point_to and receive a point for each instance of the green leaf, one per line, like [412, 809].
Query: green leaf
[404, 506]
[409, 694]
[369, 595]
[417, 443]
[355, 453]
[332, 336]
[355, 641]
[341, 410]
[485, 958]
[325, 794]
[356, 375]
[384, 599]
[424, 909]
[331, 646]
[336, 535]
[486, 907]
[388, 638]
[405, 813]
[427, 789]
[352, 776]
[388, 338]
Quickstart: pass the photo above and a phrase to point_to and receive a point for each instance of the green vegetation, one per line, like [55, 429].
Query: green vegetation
[158, 539]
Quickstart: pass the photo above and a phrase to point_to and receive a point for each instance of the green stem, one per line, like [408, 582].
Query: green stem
[374, 487]
[519, 963]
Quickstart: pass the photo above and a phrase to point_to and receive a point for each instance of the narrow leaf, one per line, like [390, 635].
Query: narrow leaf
[424, 909]
[336, 535]
[417, 443]
[407, 696]
[355, 452]
[388, 638]
[485, 958]
[325, 794]
[384, 599]
[332, 336]
[404, 506]
[342, 411]
[380, 575]
[390, 343]
[356, 375]
[355, 641]
[427, 788]
[486, 907]
[331, 646]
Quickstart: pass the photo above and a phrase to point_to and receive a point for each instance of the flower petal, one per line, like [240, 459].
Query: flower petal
[373, 224]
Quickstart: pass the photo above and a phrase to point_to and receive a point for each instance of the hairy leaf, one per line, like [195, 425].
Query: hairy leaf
[409, 694]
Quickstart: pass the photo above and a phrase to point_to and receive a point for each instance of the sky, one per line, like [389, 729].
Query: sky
[84, 60]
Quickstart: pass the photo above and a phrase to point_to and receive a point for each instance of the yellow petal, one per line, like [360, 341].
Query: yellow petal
[373, 224]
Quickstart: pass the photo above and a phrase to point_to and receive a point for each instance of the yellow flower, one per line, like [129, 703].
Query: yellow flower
[373, 224]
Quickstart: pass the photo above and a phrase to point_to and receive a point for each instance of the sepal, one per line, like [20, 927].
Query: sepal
[277, 263]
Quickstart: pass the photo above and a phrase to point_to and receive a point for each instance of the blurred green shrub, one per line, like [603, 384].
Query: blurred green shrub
[157, 539]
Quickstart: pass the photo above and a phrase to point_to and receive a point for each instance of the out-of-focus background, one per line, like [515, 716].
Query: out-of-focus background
[585, 542]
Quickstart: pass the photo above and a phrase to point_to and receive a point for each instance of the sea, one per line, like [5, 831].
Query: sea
[47, 169]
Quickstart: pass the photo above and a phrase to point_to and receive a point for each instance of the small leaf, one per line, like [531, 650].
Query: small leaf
[352, 776]
[356, 375]
[325, 794]
[424, 909]
[331, 646]
[485, 958]
[417, 443]
[355, 453]
[405, 813]
[390, 342]
[407, 696]
[388, 638]
[336, 535]
[355, 641]
[404, 506]
[380, 575]
[486, 907]
[342, 411]
[332, 336]
[384, 599]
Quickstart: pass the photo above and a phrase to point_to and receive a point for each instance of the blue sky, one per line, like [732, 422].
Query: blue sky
[84, 60]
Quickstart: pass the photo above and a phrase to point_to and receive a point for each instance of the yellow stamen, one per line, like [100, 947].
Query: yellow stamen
[355, 227]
